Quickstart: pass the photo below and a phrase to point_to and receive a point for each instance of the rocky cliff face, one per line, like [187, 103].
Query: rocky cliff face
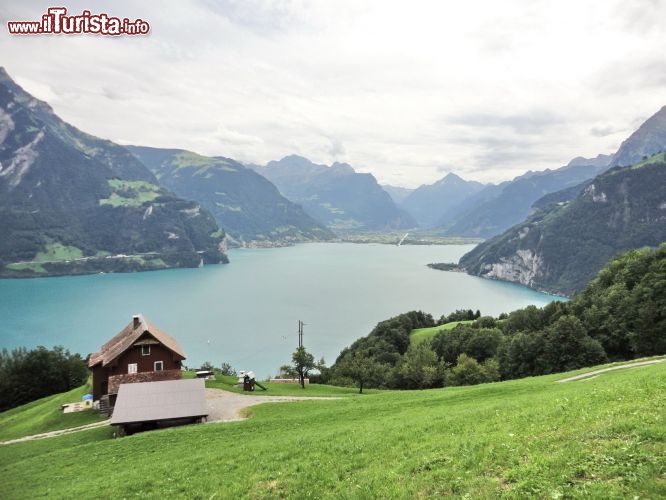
[524, 267]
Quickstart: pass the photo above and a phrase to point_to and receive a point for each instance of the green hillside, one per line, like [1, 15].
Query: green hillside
[603, 437]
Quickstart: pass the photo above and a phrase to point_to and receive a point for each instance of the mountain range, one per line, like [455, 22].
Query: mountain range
[247, 205]
[429, 204]
[336, 195]
[496, 208]
[456, 207]
[72, 203]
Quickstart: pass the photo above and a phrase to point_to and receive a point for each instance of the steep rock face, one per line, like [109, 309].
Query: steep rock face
[344, 200]
[563, 245]
[524, 267]
[73, 203]
[648, 140]
[247, 205]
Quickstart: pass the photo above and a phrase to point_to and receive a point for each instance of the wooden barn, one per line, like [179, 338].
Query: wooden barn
[140, 352]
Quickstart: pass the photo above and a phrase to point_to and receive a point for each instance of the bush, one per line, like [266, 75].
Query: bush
[469, 371]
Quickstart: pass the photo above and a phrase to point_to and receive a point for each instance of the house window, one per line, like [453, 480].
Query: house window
[145, 350]
[132, 368]
[159, 366]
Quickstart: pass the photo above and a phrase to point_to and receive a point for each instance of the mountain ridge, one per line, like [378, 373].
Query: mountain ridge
[647, 140]
[429, 204]
[510, 202]
[246, 204]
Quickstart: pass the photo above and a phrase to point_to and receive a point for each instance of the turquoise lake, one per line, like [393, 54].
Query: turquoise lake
[246, 313]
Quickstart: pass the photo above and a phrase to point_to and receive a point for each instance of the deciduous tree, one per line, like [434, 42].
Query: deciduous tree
[362, 368]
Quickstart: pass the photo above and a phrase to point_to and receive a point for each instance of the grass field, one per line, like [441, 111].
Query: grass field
[604, 437]
[421, 334]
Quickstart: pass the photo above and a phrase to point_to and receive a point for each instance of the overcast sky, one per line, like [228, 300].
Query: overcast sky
[406, 90]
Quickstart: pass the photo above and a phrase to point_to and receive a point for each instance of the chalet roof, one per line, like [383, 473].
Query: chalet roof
[128, 336]
[155, 401]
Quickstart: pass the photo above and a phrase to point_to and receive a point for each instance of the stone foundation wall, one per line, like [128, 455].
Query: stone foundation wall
[131, 378]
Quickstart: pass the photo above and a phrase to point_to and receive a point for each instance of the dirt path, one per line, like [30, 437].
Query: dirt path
[604, 370]
[223, 406]
[56, 433]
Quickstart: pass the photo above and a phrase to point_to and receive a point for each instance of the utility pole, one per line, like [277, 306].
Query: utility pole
[301, 376]
[300, 333]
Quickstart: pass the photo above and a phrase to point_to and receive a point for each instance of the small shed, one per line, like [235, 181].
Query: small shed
[151, 405]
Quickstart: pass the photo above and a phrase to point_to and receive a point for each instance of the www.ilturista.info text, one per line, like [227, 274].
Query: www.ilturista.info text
[57, 22]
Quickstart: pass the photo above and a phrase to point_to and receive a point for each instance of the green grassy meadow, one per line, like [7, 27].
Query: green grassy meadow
[421, 334]
[130, 193]
[604, 437]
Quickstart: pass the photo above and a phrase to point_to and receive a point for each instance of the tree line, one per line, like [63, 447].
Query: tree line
[27, 375]
[620, 315]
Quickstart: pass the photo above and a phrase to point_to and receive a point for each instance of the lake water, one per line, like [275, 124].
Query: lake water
[246, 313]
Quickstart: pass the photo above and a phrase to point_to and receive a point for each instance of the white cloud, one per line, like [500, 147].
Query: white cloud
[397, 88]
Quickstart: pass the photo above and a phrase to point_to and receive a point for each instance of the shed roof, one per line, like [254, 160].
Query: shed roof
[165, 400]
[128, 336]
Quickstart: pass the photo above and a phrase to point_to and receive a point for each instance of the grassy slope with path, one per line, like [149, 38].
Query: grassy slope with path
[604, 437]
[45, 415]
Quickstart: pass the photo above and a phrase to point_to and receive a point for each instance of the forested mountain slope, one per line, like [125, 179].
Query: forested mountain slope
[563, 245]
[72, 203]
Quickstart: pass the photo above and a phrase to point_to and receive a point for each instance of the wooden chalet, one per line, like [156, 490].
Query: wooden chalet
[140, 352]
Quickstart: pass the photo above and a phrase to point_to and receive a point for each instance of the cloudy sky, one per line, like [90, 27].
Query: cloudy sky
[406, 90]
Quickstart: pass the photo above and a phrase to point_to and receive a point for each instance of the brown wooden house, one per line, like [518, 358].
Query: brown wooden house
[140, 352]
